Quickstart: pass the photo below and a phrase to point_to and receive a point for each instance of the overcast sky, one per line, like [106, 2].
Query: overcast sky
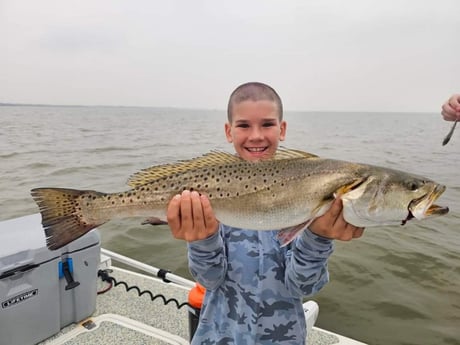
[354, 55]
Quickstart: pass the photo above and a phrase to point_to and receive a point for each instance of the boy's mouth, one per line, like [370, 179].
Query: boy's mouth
[256, 149]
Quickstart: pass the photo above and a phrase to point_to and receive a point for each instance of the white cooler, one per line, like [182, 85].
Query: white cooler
[42, 291]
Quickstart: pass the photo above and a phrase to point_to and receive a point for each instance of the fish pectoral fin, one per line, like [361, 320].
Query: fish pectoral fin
[154, 221]
[287, 235]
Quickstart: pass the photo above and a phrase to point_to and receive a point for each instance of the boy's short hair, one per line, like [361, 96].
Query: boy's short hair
[254, 91]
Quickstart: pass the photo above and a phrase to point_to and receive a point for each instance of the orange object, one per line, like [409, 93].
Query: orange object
[196, 295]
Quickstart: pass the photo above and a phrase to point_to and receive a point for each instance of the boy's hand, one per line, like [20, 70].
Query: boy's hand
[332, 224]
[191, 217]
[451, 108]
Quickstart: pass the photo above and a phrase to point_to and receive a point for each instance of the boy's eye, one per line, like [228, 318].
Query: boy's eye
[268, 124]
[242, 125]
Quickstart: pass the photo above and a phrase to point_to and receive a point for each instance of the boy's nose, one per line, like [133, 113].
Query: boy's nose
[256, 134]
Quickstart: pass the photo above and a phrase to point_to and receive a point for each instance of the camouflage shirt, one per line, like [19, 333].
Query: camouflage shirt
[254, 287]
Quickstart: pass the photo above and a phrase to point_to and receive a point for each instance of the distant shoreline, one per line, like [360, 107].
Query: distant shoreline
[207, 109]
[79, 106]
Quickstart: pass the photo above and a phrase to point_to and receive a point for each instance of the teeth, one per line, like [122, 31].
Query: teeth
[256, 149]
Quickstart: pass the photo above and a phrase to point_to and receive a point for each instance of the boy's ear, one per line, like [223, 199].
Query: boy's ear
[283, 127]
[228, 132]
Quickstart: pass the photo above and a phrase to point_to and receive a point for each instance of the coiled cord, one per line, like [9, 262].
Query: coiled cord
[106, 277]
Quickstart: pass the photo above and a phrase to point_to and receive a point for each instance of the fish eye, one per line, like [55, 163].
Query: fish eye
[412, 185]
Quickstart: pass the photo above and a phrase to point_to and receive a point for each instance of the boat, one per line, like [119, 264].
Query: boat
[135, 303]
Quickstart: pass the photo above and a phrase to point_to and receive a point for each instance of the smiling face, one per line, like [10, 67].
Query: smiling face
[255, 129]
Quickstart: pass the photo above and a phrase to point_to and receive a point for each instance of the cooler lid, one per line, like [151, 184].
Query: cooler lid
[23, 243]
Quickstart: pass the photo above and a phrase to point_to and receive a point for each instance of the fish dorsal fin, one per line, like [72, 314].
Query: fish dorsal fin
[285, 153]
[210, 159]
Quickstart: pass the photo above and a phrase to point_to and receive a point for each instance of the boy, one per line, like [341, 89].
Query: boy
[254, 287]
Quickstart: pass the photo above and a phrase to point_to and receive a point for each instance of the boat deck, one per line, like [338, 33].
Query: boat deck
[124, 317]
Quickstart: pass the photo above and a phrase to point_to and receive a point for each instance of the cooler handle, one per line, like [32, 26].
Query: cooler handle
[66, 270]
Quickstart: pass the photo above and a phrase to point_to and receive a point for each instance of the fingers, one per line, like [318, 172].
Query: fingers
[173, 214]
[451, 108]
[191, 217]
[358, 232]
[350, 232]
[335, 210]
[454, 102]
[186, 212]
[210, 221]
[333, 225]
[196, 211]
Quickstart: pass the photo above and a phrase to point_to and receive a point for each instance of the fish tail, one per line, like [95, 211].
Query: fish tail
[62, 218]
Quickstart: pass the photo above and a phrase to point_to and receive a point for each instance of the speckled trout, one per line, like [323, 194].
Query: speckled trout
[286, 192]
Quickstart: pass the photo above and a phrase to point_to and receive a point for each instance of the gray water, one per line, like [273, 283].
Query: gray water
[395, 285]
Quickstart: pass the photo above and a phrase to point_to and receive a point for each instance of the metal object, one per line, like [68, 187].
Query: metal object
[449, 135]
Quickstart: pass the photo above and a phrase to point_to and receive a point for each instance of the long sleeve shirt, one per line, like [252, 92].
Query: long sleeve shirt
[254, 287]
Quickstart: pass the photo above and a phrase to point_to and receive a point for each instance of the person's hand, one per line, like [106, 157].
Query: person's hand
[451, 108]
[332, 225]
[191, 217]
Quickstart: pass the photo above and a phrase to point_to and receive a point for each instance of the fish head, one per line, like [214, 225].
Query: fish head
[389, 197]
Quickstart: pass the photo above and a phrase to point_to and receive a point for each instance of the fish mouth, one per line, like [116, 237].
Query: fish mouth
[424, 207]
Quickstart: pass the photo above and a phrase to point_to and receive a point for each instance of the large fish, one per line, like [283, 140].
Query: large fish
[287, 192]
